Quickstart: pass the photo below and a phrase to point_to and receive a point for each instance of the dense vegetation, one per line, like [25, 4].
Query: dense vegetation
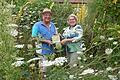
[99, 60]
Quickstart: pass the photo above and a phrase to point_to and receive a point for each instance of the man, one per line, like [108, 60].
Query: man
[45, 29]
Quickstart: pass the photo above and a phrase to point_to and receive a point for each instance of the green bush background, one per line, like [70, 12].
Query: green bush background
[102, 20]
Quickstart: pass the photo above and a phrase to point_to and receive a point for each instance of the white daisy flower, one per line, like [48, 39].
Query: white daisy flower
[91, 56]
[26, 26]
[84, 48]
[112, 77]
[74, 65]
[95, 43]
[85, 59]
[29, 46]
[118, 72]
[71, 76]
[22, 19]
[14, 32]
[20, 36]
[109, 69]
[39, 50]
[115, 42]
[17, 63]
[45, 75]
[60, 60]
[110, 38]
[108, 51]
[96, 74]
[102, 37]
[68, 72]
[81, 66]
[79, 52]
[80, 77]
[87, 71]
[47, 63]
[115, 62]
[118, 31]
[14, 15]
[79, 58]
[19, 46]
[101, 71]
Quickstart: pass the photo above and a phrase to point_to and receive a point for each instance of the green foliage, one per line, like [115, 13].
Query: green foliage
[7, 52]
[103, 24]
[101, 33]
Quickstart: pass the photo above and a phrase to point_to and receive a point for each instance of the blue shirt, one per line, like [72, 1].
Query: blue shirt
[39, 28]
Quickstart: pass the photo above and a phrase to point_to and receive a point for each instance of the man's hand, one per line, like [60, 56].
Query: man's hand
[48, 41]
[34, 39]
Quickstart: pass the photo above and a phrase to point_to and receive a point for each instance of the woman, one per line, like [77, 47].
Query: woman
[71, 38]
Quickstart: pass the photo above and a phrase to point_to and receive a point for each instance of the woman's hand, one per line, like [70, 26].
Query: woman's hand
[63, 41]
[66, 40]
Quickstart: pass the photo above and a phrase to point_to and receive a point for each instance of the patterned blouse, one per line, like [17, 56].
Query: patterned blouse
[75, 32]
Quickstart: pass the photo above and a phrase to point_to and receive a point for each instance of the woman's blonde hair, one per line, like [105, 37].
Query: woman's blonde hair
[72, 15]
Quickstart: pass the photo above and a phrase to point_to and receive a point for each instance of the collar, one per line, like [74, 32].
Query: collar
[44, 24]
[70, 27]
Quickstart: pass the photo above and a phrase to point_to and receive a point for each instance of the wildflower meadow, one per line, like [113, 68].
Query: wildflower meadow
[99, 58]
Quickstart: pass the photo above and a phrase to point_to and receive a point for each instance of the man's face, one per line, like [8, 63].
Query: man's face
[72, 21]
[46, 17]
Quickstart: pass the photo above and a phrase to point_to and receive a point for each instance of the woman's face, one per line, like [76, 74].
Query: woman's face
[72, 21]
